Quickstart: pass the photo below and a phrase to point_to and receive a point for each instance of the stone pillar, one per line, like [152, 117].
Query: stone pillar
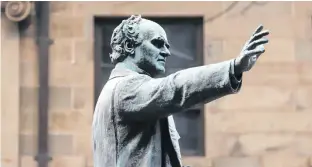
[13, 12]
[9, 93]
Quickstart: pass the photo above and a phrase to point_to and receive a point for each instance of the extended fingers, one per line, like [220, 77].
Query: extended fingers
[256, 43]
[259, 29]
[259, 35]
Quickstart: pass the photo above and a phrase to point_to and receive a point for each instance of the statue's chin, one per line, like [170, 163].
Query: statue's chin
[160, 72]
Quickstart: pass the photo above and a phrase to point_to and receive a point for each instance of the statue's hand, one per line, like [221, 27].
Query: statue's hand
[253, 48]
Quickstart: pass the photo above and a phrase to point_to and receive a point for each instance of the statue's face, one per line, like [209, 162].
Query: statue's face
[151, 55]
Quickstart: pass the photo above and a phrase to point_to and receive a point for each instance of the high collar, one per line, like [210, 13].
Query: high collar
[121, 70]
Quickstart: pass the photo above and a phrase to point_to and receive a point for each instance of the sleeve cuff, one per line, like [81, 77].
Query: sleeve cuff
[235, 79]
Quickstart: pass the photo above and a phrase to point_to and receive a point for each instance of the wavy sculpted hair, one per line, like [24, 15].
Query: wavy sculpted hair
[125, 38]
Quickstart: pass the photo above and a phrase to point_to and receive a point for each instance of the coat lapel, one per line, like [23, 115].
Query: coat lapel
[174, 135]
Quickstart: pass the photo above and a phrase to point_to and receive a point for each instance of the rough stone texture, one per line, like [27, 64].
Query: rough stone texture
[61, 8]
[30, 77]
[80, 97]
[28, 161]
[302, 9]
[28, 49]
[61, 145]
[28, 99]
[67, 27]
[29, 122]
[304, 98]
[198, 162]
[221, 145]
[60, 98]
[284, 159]
[82, 146]
[259, 143]
[83, 51]
[305, 73]
[260, 97]
[213, 50]
[259, 10]
[62, 50]
[259, 121]
[10, 97]
[58, 145]
[71, 74]
[68, 161]
[234, 161]
[303, 50]
[275, 97]
[66, 121]
[273, 75]
[28, 145]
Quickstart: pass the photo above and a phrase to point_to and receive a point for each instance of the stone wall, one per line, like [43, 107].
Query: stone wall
[10, 97]
[268, 124]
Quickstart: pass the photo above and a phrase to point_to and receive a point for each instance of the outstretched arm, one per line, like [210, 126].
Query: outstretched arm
[140, 97]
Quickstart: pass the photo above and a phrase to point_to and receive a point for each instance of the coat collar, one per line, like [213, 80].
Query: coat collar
[121, 71]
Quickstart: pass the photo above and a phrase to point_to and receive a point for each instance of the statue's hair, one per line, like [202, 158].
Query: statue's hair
[125, 38]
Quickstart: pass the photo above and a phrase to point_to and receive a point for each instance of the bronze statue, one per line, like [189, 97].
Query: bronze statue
[133, 124]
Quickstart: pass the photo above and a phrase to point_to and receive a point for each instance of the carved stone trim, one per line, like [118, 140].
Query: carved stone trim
[16, 11]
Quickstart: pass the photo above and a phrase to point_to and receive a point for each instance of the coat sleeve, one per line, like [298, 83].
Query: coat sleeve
[140, 97]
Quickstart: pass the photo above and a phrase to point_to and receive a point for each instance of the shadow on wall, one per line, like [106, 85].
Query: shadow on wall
[232, 6]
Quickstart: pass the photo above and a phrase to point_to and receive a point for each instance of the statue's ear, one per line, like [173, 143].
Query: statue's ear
[129, 47]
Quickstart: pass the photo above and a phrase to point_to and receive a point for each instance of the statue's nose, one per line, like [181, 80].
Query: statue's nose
[165, 53]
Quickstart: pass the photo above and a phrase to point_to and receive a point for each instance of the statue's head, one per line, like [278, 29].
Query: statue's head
[142, 42]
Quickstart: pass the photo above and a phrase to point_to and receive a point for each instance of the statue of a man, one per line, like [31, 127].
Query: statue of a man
[133, 124]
